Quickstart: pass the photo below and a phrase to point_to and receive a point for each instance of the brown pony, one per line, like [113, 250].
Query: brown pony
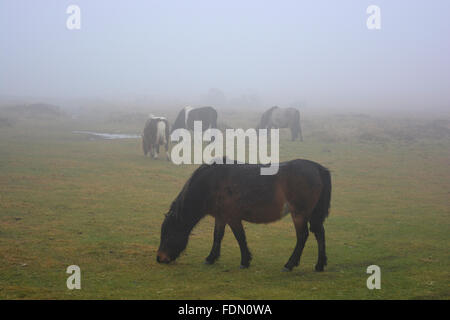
[235, 192]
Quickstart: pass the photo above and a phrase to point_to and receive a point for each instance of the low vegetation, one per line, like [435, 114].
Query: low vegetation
[66, 199]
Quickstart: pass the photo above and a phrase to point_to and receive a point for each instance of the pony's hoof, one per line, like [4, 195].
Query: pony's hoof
[319, 268]
[207, 262]
[286, 269]
[243, 266]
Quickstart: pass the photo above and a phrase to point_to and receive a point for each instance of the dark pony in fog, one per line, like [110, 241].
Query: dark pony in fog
[156, 133]
[187, 116]
[277, 118]
[233, 193]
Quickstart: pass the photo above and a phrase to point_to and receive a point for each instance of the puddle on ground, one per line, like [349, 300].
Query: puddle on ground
[109, 136]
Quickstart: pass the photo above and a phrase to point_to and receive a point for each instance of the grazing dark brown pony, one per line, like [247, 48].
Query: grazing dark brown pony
[235, 192]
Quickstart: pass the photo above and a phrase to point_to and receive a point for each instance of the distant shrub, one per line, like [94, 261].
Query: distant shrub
[128, 118]
[324, 136]
[5, 122]
[411, 132]
[371, 137]
[36, 110]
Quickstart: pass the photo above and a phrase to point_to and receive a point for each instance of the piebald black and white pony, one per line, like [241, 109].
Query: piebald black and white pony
[277, 118]
[156, 133]
[233, 193]
[187, 116]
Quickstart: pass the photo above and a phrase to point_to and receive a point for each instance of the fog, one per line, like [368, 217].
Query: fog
[230, 54]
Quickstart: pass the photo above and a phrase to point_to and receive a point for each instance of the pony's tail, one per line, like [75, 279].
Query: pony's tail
[323, 205]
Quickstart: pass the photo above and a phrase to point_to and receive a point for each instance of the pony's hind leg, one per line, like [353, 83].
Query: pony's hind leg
[239, 233]
[322, 258]
[157, 148]
[166, 147]
[300, 133]
[219, 231]
[301, 229]
[294, 133]
[151, 151]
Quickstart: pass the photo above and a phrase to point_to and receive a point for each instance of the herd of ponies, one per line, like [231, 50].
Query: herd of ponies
[157, 128]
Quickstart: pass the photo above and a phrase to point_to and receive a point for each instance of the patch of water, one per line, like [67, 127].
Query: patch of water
[109, 136]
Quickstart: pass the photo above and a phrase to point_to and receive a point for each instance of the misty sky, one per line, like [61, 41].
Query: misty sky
[317, 53]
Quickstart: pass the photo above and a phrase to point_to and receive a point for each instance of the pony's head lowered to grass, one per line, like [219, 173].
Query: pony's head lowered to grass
[174, 235]
[185, 212]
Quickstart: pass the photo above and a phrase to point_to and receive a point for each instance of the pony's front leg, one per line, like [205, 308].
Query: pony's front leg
[219, 231]
[239, 233]
[301, 229]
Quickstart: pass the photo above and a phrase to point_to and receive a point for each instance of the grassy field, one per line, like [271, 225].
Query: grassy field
[67, 199]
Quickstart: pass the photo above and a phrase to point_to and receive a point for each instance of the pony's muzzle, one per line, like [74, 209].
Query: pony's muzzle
[161, 257]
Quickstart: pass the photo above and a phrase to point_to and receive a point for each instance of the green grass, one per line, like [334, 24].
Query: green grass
[65, 199]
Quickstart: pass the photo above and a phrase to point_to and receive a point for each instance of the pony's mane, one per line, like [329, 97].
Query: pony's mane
[177, 205]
